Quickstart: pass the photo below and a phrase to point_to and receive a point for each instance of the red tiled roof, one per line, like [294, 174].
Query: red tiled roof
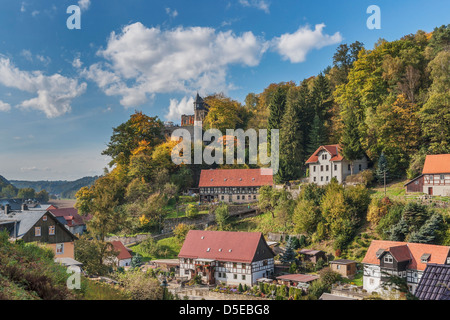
[222, 245]
[71, 216]
[439, 254]
[235, 177]
[298, 277]
[333, 149]
[123, 251]
[437, 163]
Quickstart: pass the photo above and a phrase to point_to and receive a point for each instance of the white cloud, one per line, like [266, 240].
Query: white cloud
[76, 63]
[4, 106]
[171, 13]
[258, 4]
[35, 13]
[295, 46]
[54, 93]
[84, 4]
[177, 108]
[27, 54]
[22, 7]
[141, 61]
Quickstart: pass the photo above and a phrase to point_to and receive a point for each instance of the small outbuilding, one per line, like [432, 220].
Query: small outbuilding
[346, 268]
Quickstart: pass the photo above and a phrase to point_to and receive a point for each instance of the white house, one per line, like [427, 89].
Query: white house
[124, 256]
[404, 259]
[327, 162]
[229, 257]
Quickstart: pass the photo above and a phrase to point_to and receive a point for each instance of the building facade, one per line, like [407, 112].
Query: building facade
[226, 257]
[327, 163]
[435, 177]
[403, 259]
[233, 185]
[39, 226]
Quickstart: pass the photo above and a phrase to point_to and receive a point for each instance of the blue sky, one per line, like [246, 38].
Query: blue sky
[62, 91]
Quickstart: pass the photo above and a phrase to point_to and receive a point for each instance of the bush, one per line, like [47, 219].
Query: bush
[191, 211]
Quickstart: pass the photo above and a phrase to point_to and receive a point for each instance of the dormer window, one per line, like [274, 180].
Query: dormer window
[388, 259]
[208, 250]
[44, 218]
[425, 257]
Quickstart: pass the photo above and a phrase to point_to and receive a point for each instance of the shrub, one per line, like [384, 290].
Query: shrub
[191, 211]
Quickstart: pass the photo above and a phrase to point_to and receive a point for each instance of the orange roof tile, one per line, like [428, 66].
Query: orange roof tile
[221, 245]
[439, 254]
[333, 149]
[124, 253]
[235, 178]
[437, 163]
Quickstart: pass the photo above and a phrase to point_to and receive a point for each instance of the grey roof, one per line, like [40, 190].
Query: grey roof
[14, 204]
[25, 220]
[435, 283]
[200, 104]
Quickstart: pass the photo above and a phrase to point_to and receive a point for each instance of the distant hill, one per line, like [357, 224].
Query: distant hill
[63, 189]
[3, 182]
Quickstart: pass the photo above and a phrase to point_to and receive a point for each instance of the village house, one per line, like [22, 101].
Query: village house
[71, 219]
[403, 259]
[38, 226]
[228, 257]
[233, 185]
[346, 268]
[124, 254]
[435, 177]
[327, 162]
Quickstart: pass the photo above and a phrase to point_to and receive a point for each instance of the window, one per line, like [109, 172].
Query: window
[442, 177]
[243, 277]
[314, 168]
[348, 167]
[321, 178]
[327, 178]
[326, 168]
[186, 271]
[235, 276]
[37, 231]
[51, 230]
[371, 281]
[338, 267]
[321, 168]
[315, 179]
[223, 197]
[265, 263]
[254, 197]
[60, 248]
[335, 167]
[238, 197]
[360, 167]
[388, 259]
[243, 266]
[44, 218]
[234, 265]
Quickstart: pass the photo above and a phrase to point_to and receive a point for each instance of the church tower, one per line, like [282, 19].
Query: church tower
[200, 109]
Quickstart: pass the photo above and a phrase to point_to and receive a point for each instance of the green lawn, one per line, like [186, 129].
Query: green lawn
[393, 190]
[357, 280]
[169, 249]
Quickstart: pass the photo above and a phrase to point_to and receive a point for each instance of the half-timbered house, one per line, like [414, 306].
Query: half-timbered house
[228, 257]
[435, 177]
[403, 259]
[233, 185]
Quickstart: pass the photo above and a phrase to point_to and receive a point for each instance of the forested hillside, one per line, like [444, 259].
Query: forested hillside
[391, 102]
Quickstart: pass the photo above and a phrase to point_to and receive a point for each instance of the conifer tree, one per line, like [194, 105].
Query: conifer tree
[291, 140]
[350, 142]
[277, 108]
[317, 135]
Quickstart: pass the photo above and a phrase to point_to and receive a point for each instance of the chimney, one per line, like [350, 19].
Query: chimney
[24, 207]
[7, 209]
